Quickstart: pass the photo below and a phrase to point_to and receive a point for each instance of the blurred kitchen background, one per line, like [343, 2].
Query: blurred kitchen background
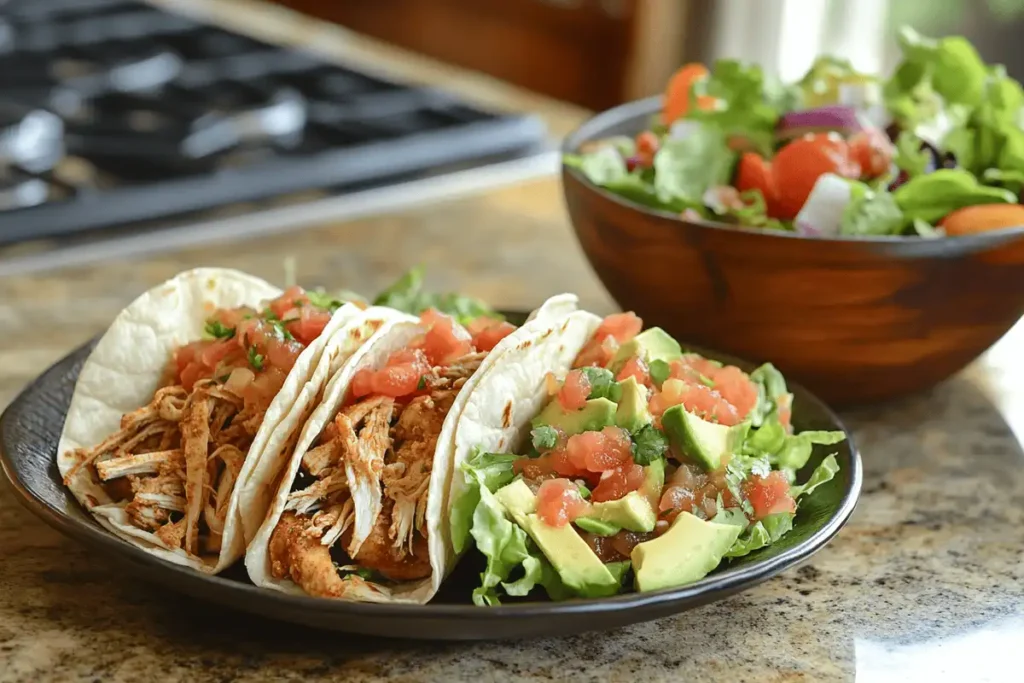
[143, 121]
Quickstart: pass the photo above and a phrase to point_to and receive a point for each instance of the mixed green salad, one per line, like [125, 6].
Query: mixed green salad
[935, 149]
[647, 468]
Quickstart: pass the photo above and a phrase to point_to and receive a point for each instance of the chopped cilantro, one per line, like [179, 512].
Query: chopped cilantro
[602, 382]
[544, 438]
[660, 372]
[737, 471]
[219, 330]
[649, 444]
[325, 301]
[584, 491]
[223, 378]
[255, 359]
[707, 381]
[422, 384]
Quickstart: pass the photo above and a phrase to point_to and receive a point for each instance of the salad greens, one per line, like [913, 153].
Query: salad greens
[943, 133]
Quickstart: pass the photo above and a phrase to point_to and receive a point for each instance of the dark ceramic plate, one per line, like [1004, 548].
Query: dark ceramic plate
[31, 426]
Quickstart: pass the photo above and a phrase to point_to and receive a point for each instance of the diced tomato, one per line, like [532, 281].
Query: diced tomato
[872, 149]
[646, 147]
[599, 451]
[487, 332]
[715, 392]
[293, 297]
[755, 173]
[769, 495]
[575, 390]
[798, 165]
[695, 398]
[613, 331]
[445, 340]
[307, 323]
[559, 502]
[399, 377]
[618, 482]
[636, 368]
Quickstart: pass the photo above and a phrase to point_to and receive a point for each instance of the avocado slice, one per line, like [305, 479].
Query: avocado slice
[635, 510]
[580, 569]
[577, 565]
[650, 345]
[632, 412]
[706, 442]
[597, 414]
[685, 553]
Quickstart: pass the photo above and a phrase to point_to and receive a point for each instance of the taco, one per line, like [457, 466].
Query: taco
[604, 451]
[361, 510]
[199, 385]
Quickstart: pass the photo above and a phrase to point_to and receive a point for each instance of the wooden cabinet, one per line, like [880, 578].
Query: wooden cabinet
[595, 53]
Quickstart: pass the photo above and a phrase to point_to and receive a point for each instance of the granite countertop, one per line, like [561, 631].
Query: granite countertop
[926, 581]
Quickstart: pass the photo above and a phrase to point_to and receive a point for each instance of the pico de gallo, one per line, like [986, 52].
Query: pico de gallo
[935, 149]
[646, 461]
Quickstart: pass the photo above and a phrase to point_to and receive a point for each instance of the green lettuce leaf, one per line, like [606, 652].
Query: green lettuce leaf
[407, 295]
[685, 168]
[481, 471]
[797, 448]
[910, 157]
[749, 108]
[931, 197]
[822, 474]
[601, 167]
[771, 386]
[762, 534]
[871, 213]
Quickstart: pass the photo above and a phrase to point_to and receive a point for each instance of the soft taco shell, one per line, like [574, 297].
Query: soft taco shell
[374, 354]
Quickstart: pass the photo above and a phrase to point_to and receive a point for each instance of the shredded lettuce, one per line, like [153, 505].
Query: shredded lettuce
[407, 295]
[933, 196]
[748, 107]
[870, 213]
[822, 474]
[685, 168]
[505, 545]
[762, 534]
[481, 471]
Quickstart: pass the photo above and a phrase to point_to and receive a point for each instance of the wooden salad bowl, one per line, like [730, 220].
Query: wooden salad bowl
[854, 319]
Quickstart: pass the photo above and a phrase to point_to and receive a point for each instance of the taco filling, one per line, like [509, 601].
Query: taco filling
[174, 463]
[644, 459]
[357, 507]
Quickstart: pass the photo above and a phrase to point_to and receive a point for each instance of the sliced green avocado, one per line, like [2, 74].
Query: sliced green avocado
[650, 345]
[685, 553]
[706, 442]
[577, 565]
[597, 414]
[518, 499]
[635, 510]
[632, 413]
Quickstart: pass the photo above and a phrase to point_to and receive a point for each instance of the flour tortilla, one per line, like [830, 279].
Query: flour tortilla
[125, 369]
[374, 354]
[496, 418]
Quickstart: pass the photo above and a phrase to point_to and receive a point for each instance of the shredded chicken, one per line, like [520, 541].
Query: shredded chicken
[174, 464]
[372, 469]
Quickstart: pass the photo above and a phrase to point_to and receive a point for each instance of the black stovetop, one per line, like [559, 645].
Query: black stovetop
[115, 113]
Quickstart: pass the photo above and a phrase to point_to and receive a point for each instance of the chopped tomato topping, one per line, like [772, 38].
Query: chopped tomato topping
[718, 393]
[618, 482]
[647, 145]
[445, 340]
[399, 377]
[599, 451]
[574, 391]
[559, 502]
[636, 368]
[613, 331]
[487, 332]
[695, 398]
[873, 151]
[769, 495]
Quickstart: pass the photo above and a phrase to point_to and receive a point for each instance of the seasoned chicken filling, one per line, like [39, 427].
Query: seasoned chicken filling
[379, 451]
[173, 464]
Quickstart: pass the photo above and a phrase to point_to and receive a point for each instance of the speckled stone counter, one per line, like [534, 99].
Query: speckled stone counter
[928, 576]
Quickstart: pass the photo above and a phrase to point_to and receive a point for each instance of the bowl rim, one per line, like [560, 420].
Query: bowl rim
[591, 129]
[219, 589]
